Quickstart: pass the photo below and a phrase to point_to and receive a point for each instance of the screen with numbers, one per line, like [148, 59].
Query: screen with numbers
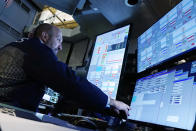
[107, 60]
[173, 35]
[166, 98]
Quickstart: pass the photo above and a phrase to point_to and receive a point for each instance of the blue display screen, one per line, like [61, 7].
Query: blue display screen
[166, 98]
[174, 34]
[107, 59]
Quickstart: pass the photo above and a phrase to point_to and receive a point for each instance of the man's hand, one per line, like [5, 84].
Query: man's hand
[119, 106]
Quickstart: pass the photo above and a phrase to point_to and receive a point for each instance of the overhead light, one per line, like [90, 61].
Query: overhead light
[131, 3]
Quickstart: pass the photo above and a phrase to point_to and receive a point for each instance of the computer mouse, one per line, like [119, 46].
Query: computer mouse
[84, 122]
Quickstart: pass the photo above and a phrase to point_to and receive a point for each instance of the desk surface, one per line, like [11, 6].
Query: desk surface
[12, 123]
[16, 119]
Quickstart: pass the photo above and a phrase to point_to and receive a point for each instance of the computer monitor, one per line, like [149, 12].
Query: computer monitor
[166, 98]
[51, 96]
[107, 60]
[173, 35]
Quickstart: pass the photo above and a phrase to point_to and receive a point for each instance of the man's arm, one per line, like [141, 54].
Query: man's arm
[42, 65]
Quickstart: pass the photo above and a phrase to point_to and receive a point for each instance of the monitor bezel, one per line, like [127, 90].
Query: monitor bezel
[188, 57]
[153, 125]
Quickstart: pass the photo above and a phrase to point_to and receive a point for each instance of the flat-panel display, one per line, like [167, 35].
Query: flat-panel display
[174, 34]
[107, 60]
[166, 98]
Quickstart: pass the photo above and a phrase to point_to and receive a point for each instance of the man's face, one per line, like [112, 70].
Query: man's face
[55, 40]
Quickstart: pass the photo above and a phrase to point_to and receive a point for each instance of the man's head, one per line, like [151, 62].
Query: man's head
[50, 35]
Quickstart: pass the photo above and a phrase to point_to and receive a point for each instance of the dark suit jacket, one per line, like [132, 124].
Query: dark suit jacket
[28, 65]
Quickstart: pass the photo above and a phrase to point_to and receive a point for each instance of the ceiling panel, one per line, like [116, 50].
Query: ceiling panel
[142, 15]
[114, 10]
[67, 6]
[98, 16]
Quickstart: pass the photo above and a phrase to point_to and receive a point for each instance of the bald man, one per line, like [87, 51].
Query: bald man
[27, 66]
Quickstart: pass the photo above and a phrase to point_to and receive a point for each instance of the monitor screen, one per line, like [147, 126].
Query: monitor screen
[51, 95]
[174, 34]
[166, 98]
[107, 60]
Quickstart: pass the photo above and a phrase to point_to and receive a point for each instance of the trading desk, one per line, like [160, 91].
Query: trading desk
[15, 119]
[12, 123]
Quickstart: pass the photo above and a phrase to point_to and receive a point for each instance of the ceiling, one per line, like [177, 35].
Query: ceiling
[98, 16]
[67, 6]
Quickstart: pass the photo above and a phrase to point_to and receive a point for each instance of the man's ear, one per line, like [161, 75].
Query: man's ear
[44, 37]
